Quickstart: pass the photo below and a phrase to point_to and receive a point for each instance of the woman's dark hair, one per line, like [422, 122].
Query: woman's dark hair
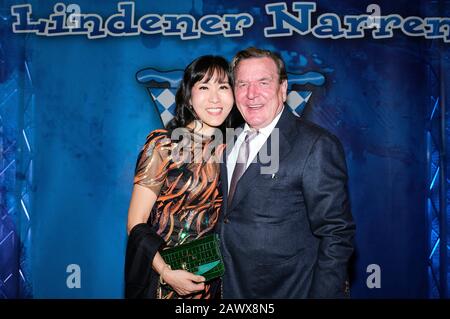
[201, 69]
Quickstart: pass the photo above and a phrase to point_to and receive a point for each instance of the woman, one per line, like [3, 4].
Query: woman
[176, 195]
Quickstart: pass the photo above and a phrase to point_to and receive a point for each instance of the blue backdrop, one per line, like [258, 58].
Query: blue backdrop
[91, 117]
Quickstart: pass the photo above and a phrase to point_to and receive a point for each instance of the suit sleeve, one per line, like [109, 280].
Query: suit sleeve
[327, 202]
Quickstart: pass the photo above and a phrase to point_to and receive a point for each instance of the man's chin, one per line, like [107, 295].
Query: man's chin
[256, 125]
[253, 121]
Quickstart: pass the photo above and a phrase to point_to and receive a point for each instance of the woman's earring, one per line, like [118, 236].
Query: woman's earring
[191, 109]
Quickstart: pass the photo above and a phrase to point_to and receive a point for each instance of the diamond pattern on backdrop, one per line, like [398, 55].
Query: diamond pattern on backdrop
[297, 101]
[164, 100]
[162, 87]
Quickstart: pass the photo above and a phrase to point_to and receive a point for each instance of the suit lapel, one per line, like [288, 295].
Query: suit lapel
[224, 181]
[247, 181]
[224, 173]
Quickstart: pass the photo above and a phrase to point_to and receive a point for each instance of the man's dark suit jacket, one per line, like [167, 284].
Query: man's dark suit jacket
[289, 235]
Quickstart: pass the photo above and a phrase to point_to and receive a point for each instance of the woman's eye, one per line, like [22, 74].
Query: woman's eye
[224, 87]
[203, 87]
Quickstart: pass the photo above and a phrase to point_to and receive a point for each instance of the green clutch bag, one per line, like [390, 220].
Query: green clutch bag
[200, 256]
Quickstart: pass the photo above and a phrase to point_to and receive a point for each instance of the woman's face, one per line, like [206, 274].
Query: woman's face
[212, 101]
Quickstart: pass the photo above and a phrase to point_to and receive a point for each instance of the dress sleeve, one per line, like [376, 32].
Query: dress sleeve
[153, 161]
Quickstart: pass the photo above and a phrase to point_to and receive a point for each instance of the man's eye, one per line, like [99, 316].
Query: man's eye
[264, 83]
[241, 85]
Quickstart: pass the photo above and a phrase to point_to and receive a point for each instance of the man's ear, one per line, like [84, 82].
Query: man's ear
[284, 86]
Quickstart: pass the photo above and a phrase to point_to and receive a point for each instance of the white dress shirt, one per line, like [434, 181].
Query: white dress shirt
[255, 145]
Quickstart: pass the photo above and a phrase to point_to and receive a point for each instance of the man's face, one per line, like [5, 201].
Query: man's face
[258, 91]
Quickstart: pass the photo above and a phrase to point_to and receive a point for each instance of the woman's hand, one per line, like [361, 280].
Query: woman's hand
[183, 282]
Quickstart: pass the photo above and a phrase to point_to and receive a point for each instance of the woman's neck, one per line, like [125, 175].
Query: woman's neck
[201, 128]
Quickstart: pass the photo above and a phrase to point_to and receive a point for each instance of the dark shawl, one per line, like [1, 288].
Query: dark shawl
[141, 281]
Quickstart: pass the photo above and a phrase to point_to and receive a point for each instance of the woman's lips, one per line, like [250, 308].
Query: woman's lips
[214, 110]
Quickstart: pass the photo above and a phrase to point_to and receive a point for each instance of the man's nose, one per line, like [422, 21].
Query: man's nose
[252, 91]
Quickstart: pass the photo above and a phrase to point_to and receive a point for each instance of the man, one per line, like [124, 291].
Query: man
[287, 234]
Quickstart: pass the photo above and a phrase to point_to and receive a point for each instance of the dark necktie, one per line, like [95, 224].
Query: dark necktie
[241, 163]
